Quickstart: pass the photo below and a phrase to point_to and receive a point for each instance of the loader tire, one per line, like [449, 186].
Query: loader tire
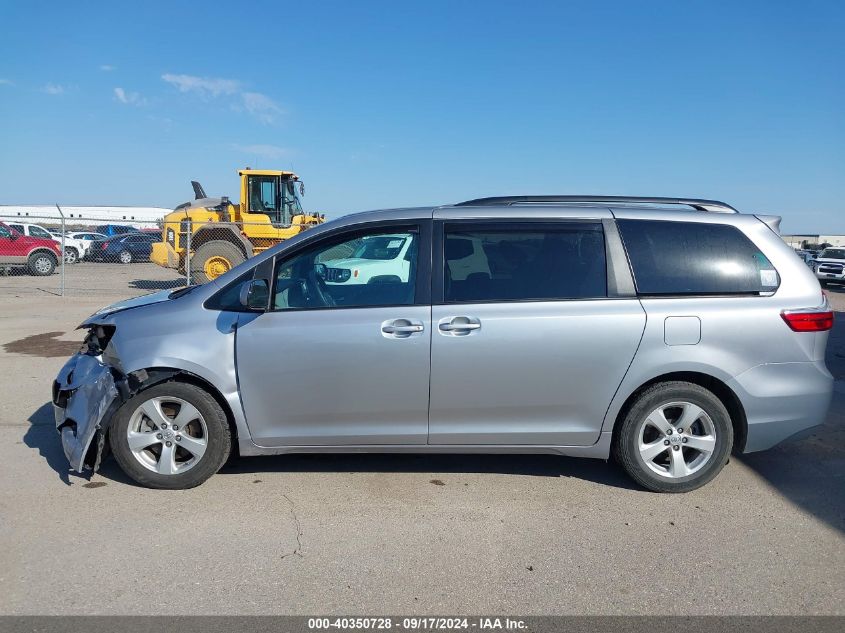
[214, 258]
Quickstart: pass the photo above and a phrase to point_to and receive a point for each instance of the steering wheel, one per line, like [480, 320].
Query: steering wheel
[318, 290]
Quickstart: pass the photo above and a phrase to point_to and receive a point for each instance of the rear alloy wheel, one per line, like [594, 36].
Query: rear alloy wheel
[42, 264]
[173, 436]
[676, 437]
[125, 257]
[213, 259]
[71, 255]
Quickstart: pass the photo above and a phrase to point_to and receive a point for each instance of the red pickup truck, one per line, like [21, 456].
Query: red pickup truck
[39, 255]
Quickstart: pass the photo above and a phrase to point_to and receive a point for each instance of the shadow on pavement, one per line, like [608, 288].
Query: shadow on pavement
[594, 470]
[42, 435]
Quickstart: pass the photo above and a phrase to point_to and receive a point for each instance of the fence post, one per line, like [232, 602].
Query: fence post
[62, 257]
[188, 254]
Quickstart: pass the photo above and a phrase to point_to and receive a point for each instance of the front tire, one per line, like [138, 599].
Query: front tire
[42, 264]
[71, 255]
[171, 436]
[676, 437]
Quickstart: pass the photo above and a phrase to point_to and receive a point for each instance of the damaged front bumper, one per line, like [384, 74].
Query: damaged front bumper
[85, 395]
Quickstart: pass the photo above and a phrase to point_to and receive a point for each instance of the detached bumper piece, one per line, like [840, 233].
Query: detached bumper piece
[83, 392]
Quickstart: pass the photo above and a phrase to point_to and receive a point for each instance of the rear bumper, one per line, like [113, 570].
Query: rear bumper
[782, 400]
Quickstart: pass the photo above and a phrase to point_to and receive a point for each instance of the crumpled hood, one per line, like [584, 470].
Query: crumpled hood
[127, 304]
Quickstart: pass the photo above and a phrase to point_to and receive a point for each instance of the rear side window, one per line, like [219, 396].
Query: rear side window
[689, 258]
[524, 262]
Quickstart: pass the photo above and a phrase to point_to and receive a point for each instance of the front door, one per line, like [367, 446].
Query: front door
[13, 247]
[342, 356]
[527, 347]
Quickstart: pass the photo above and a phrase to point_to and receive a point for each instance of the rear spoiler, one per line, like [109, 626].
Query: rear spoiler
[772, 221]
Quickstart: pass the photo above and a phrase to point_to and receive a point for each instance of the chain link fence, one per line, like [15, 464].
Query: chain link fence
[124, 258]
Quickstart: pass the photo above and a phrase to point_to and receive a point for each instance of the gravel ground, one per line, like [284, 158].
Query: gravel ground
[376, 534]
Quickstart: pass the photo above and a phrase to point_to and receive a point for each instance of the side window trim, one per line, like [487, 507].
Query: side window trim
[620, 278]
[421, 226]
[438, 262]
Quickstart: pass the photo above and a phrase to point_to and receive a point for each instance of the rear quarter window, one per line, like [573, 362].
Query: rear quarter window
[695, 258]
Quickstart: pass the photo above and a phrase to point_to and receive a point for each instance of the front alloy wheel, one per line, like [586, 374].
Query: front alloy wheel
[167, 435]
[173, 435]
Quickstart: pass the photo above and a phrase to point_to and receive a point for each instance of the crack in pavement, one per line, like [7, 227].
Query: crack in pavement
[297, 551]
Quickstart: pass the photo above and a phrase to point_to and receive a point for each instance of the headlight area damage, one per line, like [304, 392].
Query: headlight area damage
[86, 393]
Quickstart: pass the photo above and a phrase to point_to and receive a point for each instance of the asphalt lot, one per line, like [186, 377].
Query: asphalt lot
[374, 534]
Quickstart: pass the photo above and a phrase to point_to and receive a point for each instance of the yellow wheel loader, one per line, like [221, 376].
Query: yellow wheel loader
[210, 236]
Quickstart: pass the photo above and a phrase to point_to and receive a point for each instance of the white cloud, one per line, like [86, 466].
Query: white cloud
[6, 82]
[261, 106]
[53, 89]
[107, 68]
[129, 98]
[258, 105]
[264, 151]
[206, 86]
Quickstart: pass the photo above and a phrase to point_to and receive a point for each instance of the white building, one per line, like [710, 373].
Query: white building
[139, 217]
[804, 240]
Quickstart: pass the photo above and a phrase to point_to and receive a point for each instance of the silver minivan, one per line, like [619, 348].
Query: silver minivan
[663, 332]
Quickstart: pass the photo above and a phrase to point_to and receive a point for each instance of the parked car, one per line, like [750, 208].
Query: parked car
[829, 266]
[114, 229]
[86, 239]
[128, 248]
[39, 255]
[664, 337]
[74, 249]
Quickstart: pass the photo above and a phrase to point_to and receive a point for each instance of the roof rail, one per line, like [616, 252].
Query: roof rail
[713, 206]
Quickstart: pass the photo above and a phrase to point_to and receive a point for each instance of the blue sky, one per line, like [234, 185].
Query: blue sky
[379, 104]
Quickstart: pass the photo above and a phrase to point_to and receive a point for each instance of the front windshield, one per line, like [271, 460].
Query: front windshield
[833, 253]
[382, 247]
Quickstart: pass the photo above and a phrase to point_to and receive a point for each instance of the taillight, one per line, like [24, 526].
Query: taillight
[815, 321]
[103, 246]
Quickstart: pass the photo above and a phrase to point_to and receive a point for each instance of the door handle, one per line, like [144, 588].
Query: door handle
[401, 328]
[459, 325]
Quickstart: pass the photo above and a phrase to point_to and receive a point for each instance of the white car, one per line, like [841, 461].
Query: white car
[86, 238]
[74, 249]
[388, 258]
[376, 256]
[829, 266]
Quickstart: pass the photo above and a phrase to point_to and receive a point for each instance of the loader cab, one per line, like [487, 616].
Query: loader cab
[272, 193]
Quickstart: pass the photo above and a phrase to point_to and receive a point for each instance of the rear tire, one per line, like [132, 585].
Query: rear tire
[213, 259]
[71, 255]
[42, 264]
[676, 437]
[125, 257]
[204, 426]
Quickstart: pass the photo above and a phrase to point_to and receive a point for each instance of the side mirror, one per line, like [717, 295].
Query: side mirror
[255, 294]
[321, 270]
[13, 235]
